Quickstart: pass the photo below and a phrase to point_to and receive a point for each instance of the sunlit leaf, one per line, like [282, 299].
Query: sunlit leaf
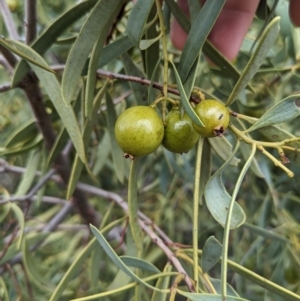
[139, 263]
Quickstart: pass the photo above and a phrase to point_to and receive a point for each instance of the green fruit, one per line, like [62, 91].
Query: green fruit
[214, 115]
[139, 131]
[180, 135]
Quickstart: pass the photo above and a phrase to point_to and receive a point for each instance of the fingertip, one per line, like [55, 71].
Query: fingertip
[295, 12]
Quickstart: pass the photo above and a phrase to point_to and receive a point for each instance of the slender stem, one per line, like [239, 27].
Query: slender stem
[227, 224]
[196, 209]
[165, 56]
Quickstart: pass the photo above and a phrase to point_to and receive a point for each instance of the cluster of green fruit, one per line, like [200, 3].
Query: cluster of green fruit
[140, 130]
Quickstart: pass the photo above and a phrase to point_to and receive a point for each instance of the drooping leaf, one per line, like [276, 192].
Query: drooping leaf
[117, 261]
[29, 55]
[117, 153]
[23, 132]
[285, 110]
[114, 50]
[223, 149]
[66, 114]
[92, 75]
[49, 36]
[139, 263]
[218, 199]
[184, 99]
[211, 253]
[99, 21]
[197, 35]
[208, 49]
[30, 173]
[137, 20]
[263, 46]
[21, 220]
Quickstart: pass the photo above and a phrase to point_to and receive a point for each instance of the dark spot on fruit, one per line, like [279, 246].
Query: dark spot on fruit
[274, 136]
[126, 156]
[221, 116]
[218, 131]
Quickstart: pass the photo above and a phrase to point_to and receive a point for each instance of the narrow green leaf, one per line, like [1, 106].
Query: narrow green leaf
[29, 55]
[211, 253]
[30, 173]
[92, 75]
[223, 149]
[217, 285]
[197, 35]
[99, 21]
[208, 49]
[285, 110]
[218, 200]
[194, 9]
[209, 297]
[23, 132]
[137, 20]
[205, 171]
[190, 80]
[184, 99]
[263, 46]
[139, 91]
[114, 50]
[117, 153]
[4, 293]
[66, 114]
[21, 220]
[87, 131]
[49, 36]
[60, 141]
[145, 44]
[139, 263]
[116, 260]
[132, 204]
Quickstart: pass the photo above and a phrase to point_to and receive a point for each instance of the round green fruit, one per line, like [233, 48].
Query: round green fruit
[139, 131]
[214, 115]
[180, 135]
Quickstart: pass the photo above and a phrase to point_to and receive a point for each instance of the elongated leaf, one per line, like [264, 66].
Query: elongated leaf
[49, 36]
[263, 46]
[145, 44]
[184, 99]
[211, 253]
[21, 220]
[30, 173]
[29, 55]
[285, 110]
[190, 81]
[218, 200]
[117, 153]
[197, 35]
[91, 76]
[117, 261]
[88, 128]
[208, 49]
[223, 149]
[139, 263]
[209, 297]
[114, 50]
[139, 91]
[99, 21]
[137, 20]
[66, 114]
[23, 132]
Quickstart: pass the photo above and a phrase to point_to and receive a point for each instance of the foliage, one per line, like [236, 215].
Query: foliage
[81, 222]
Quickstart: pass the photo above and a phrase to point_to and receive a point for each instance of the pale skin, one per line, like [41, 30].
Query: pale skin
[231, 26]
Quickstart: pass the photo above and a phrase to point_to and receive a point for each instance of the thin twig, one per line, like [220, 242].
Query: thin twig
[155, 238]
[30, 21]
[8, 20]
